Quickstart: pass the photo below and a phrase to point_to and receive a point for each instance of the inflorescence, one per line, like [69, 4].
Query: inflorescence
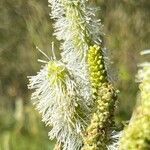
[74, 94]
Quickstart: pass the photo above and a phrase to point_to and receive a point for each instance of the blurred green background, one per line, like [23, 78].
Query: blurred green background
[25, 24]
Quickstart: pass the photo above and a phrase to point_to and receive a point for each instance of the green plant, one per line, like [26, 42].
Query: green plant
[74, 94]
[137, 134]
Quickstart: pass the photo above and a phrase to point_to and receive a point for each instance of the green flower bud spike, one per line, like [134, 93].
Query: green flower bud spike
[97, 72]
[98, 133]
[136, 136]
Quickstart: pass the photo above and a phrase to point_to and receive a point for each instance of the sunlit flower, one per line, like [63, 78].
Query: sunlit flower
[57, 99]
[137, 134]
[77, 26]
[66, 91]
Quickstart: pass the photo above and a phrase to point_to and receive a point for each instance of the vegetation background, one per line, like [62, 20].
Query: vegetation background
[25, 24]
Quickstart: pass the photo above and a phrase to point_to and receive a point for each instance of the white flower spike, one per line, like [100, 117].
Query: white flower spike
[57, 99]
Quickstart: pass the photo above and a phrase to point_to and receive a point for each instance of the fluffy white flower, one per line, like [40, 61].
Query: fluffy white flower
[57, 98]
[77, 29]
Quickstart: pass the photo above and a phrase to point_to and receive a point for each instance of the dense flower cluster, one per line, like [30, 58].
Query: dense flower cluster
[74, 93]
[56, 97]
[98, 133]
[137, 135]
[76, 26]
[96, 67]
